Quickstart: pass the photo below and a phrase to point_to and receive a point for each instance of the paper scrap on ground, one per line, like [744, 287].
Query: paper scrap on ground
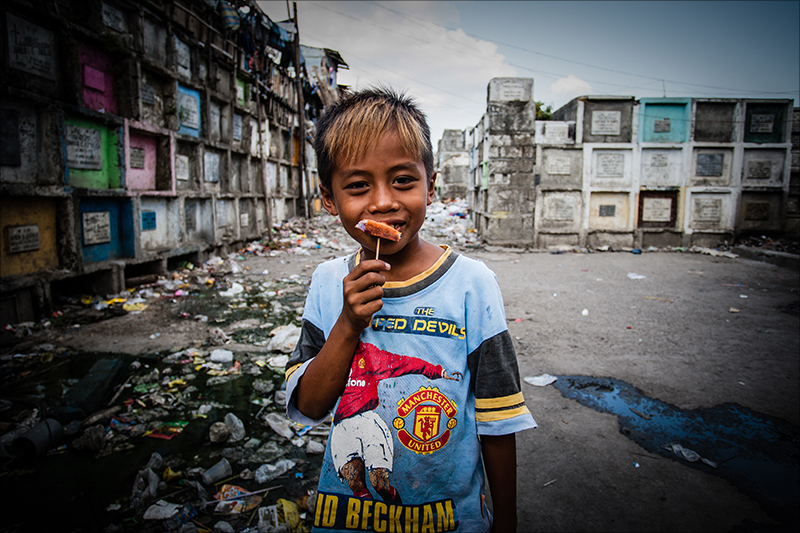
[540, 381]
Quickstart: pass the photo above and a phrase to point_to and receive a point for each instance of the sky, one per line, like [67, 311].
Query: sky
[445, 53]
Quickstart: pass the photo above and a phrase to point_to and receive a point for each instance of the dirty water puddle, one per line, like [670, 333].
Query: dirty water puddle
[756, 453]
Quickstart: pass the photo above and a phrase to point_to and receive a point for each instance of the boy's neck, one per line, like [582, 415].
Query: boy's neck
[412, 260]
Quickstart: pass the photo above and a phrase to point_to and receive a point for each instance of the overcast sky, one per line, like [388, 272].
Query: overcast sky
[445, 53]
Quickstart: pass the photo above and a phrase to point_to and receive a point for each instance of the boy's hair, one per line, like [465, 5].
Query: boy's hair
[354, 124]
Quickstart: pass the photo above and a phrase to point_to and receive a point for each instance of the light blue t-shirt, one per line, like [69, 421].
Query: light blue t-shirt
[437, 365]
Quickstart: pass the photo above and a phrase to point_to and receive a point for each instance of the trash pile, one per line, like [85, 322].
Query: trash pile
[776, 244]
[221, 414]
[449, 223]
[196, 436]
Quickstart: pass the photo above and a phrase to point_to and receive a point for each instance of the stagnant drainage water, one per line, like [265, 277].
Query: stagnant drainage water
[756, 453]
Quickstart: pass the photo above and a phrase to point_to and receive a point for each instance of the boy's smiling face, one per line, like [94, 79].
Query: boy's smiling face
[387, 185]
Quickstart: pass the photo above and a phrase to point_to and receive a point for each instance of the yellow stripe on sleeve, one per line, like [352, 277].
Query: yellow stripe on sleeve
[292, 370]
[499, 403]
[493, 416]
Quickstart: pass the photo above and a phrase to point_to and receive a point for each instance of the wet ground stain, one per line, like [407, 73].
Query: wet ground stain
[756, 453]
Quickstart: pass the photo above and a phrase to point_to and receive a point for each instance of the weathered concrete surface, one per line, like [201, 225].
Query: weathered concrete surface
[684, 347]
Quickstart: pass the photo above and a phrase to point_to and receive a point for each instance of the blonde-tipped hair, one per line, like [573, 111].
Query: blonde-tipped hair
[353, 125]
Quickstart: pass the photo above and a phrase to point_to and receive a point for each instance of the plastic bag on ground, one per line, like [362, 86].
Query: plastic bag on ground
[236, 426]
[279, 425]
[284, 338]
[268, 472]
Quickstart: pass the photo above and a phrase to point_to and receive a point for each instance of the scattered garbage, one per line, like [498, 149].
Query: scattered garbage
[221, 470]
[268, 472]
[634, 275]
[221, 356]
[284, 338]
[690, 455]
[540, 381]
[46, 435]
[236, 427]
[161, 510]
[234, 500]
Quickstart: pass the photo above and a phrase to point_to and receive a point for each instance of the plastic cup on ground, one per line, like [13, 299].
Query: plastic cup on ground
[219, 471]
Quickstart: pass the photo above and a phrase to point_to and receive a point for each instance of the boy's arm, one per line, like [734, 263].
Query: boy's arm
[500, 460]
[326, 374]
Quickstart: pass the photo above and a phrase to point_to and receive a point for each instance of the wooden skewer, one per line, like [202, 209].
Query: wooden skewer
[378, 248]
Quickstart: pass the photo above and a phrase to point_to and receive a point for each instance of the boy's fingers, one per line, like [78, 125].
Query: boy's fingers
[371, 265]
[365, 282]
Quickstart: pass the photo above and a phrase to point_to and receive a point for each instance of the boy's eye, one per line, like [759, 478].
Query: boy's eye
[356, 185]
[404, 180]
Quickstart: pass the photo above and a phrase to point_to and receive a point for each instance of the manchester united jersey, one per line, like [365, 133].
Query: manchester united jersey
[435, 369]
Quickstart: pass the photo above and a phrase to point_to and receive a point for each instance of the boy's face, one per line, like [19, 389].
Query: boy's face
[387, 185]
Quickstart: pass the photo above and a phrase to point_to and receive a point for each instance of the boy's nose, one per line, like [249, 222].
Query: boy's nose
[382, 199]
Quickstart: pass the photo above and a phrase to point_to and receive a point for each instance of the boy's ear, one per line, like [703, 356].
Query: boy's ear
[431, 189]
[327, 200]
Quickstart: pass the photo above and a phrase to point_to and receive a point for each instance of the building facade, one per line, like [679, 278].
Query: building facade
[452, 165]
[620, 172]
[137, 135]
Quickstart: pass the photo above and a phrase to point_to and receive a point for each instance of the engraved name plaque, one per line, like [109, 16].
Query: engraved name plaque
[113, 18]
[137, 157]
[710, 164]
[189, 114]
[606, 122]
[607, 210]
[558, 165]
[661, 126]
[84, 147]
[211, 161]
[96, 227]
[30, 47]
[556, 133]
[190, 216]
[561, 209]
[659, 159]
[656, 209]
[707, 209]
[148, 94]
[23, 238]
[610, 165]
[761, 123]
[758, 169]
[182, 167]
[148, 220]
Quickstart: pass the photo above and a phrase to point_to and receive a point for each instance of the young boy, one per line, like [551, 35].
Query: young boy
[410, 349]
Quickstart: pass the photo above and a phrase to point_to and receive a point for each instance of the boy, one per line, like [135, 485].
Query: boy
[411, 349]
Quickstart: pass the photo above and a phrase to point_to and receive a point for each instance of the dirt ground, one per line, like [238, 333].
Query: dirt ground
[696, 331]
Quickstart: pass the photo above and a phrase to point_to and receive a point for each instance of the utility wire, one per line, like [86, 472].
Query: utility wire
[418, 20]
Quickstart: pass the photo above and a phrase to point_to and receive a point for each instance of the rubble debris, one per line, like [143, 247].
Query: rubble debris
[219, 432]
[93, 438]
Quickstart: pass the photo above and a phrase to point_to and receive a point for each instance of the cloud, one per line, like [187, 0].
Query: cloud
[405, 45]
[570, 86]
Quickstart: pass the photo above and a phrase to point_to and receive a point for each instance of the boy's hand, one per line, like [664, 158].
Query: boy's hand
[362, 291]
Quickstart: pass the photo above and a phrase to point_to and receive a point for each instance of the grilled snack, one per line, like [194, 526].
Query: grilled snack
[379, 229]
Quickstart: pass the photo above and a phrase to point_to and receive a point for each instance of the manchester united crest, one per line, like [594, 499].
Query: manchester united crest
[424, 420]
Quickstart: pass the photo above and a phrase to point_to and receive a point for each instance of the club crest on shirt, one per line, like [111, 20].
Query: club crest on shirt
[424, 420]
